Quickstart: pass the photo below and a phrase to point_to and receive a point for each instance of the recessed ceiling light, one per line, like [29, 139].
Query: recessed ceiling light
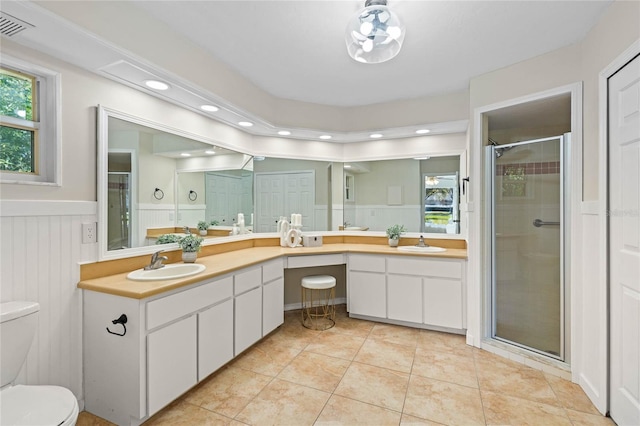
[209, 151]
[375, 135]
[284, 132]
[245, 123]
[325, 136]
[157, 85]
[422, 131]
[209, 108]
[426, 157]
[347, 166]
[186, 154]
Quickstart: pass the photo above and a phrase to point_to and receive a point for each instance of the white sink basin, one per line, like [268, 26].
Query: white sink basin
[168, 272]
[416, 249]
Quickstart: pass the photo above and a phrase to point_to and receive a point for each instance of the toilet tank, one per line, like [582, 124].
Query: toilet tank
[18, 323]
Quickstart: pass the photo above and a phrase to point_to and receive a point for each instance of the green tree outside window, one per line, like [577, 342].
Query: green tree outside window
[18, 134]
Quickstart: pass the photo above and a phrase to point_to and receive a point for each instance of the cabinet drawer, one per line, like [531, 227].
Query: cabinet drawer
[425, 267]
[247, 280]
[166, 309]
[360, 262]
[319, 260]
[272, 270]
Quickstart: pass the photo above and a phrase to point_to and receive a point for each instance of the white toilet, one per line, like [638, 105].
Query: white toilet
[27, 405]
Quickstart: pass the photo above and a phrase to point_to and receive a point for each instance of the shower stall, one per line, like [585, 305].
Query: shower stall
[527, 207]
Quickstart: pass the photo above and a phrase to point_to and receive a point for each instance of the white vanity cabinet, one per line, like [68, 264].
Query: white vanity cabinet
[410, 290]
[171, 362]
[272, 295]
[173, 340]
[367, 286]
[404, 298]
[430, 289]
[215, 338]
[248, 308]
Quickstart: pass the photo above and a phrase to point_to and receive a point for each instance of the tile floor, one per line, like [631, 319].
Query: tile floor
[366, 373]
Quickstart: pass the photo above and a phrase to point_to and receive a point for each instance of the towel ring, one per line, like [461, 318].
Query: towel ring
[193, 195]
[158, 194]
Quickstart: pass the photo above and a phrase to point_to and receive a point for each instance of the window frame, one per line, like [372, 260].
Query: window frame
[46, 120]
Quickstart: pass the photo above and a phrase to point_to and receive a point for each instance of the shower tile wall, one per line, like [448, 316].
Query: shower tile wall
[527, 258]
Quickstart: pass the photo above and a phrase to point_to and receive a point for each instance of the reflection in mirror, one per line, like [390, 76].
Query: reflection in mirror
[286, 186]
[162, 180]
[440, 203]
[215, 197]
[144, 193]
[378, 194]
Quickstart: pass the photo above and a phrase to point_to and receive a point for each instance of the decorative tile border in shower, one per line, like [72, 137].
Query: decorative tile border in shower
[540, 168]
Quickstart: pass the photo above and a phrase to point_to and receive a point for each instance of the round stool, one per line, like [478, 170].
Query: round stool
[318, 309]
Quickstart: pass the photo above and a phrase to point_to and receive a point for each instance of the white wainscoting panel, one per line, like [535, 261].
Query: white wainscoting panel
[40, 253]
[154, 216]
[380, 217]
[589, 323]
[191, 215]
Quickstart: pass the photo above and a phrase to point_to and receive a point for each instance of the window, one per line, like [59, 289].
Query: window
[29, 146]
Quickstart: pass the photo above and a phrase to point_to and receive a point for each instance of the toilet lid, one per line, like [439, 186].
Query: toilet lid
[36, 405]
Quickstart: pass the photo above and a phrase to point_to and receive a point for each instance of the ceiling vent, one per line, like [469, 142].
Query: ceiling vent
[10, 25]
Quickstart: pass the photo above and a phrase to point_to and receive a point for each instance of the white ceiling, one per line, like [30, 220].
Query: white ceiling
[296, 49]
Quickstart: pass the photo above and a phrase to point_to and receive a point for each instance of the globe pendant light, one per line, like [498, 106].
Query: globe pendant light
[374, 34]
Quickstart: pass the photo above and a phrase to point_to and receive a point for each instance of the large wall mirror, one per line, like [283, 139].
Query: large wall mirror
[153, 180]
[420, 193]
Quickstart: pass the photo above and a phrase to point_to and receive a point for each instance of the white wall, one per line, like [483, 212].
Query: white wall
[40, 250]
[616, 30]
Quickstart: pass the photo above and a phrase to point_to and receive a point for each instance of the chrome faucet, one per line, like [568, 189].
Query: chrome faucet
[186, 230]
[421, 242]
[156, 261]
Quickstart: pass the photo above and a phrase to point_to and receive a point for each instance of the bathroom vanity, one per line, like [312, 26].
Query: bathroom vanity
[178, 332]
[173, 340]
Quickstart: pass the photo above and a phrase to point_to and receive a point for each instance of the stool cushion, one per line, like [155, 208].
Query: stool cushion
[318, 282]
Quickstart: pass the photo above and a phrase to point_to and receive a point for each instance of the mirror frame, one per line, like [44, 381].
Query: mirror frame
[102, 149]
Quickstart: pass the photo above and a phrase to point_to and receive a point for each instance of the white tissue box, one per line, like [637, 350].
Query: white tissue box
[311, 240]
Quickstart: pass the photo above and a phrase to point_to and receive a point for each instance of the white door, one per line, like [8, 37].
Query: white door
[280, 194]
[269, 201]
[216, 189]
[624, 243]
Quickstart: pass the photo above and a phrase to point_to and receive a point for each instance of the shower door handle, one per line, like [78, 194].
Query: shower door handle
[539, 222]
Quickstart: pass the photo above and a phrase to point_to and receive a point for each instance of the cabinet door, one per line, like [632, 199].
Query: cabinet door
[443, 302]
[248, 319]
[215, 338]
[171, 362]
[404, 298]
[272, 305]
[367, 294]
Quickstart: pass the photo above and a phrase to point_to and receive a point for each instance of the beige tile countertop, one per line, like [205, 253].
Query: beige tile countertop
[223, 263]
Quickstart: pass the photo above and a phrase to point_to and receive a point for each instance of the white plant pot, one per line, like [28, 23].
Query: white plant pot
[393, 242]
[189, 256]
[203, 232]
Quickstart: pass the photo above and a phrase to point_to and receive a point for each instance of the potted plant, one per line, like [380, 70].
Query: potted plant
[202, 227]
[168, 239]
[393, 233]
[214, 223]
[190, 245]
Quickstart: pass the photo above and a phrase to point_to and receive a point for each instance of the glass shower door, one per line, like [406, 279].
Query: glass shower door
[527, 244]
